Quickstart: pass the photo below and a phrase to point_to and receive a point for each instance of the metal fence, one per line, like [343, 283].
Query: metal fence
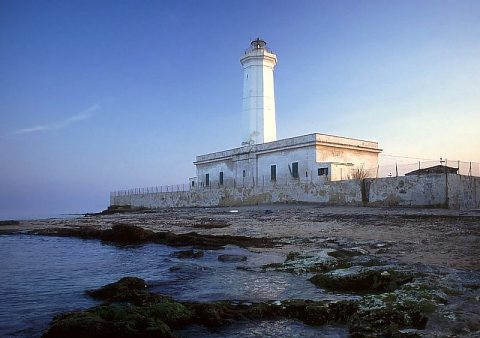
[308, 177]
[151, 190]
[246, 182]
[400, 169]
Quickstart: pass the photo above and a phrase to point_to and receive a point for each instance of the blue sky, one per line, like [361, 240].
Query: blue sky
[103, 95]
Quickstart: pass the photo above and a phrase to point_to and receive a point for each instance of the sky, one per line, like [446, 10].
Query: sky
[97, 96]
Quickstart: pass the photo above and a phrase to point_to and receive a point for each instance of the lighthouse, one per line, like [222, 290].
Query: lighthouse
[258, 113]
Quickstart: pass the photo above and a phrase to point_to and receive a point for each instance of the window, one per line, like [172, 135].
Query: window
[221, 177]
[322, 171]
[273, 172]
[207, 180]
[244, 173]
[193, 183]
[295, 169]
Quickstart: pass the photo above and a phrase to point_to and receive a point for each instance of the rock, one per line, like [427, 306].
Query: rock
[392, 314]
[232, 258]
[395, 313]
[126, 289]
[145, 315]
[208, 223]
[124, 320]
[120, 209]
[9, 222]
[369, 261]
[107, 321]
[125, 234]
[318, 261]
[380, 245]
[196, 240]
[347, 253]
[361, 280]
[187, 254]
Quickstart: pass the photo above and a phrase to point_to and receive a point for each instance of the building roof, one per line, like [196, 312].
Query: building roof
[437, 169]
[293, 142]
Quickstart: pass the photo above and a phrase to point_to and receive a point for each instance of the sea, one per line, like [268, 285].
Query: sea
[41, 277]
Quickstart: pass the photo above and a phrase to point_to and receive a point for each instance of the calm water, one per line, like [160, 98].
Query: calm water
[43, 276]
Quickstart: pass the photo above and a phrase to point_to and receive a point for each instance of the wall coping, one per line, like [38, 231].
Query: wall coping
[292, 142]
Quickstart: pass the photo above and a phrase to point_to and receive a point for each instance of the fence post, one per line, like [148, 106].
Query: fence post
[378, 167]
[419, 165]
[470, 170]
[396, 169]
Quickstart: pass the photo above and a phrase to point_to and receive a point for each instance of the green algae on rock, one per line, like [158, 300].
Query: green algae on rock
[303, 262]
[397, 313]
[361, 279]
[388, 314]
[126, 289]
[123, 320]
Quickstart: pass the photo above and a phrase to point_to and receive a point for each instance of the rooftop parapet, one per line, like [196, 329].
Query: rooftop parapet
[293, 142]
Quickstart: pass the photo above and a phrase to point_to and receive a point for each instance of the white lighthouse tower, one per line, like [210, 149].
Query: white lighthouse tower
[258, 94]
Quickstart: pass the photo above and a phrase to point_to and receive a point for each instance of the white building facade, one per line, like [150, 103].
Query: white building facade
[264, 160]
[308, 158]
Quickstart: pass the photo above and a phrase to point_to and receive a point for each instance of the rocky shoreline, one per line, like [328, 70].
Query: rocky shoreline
[356, 253]
[126, 234]
[131, 311]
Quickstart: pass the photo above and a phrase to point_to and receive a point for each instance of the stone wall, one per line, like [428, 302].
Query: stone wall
[463, 192]
[410, 191]
[437, 190]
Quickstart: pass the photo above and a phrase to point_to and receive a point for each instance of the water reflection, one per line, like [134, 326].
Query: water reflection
[43, 276]
[267, 328]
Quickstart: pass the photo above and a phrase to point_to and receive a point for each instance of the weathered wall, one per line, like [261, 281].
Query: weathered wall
[463, 192]
[422, 190]
[411, 191]
[343, 192]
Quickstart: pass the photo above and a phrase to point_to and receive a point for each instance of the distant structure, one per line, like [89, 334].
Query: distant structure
[264, 159]
[258, 94]
[437, 169]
